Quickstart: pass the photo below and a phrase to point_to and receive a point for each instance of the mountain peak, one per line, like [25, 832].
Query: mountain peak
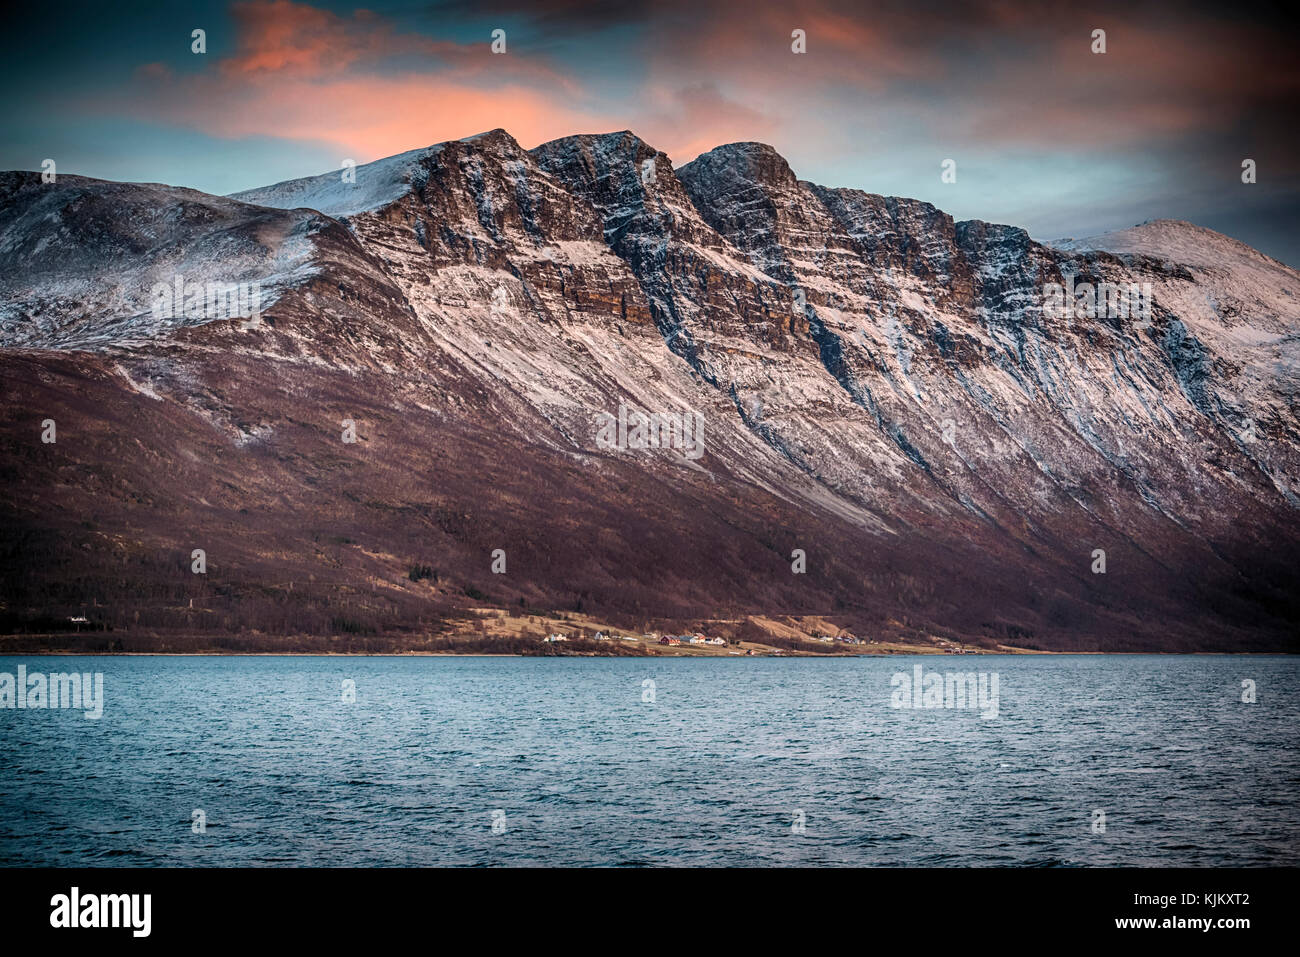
[606, 148]
[353, 189]
[494, 140]
[494, 133]
[736, 163]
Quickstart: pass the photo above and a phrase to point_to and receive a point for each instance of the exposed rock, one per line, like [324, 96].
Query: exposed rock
[881, 386]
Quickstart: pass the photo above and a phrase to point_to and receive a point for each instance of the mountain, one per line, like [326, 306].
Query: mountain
[886, 391]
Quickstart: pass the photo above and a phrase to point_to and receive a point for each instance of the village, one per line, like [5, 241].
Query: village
[655, 642]
[753, 637]
[495, 631]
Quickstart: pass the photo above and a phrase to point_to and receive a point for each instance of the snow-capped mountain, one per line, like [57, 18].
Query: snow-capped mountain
[890, 393]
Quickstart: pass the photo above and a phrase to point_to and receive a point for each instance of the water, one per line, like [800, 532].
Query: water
[714, 771]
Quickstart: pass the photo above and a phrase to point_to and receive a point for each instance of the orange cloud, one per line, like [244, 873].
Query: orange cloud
[687, 121]
[988, 73]
[306, 74]
[375, 117]
[282, 37]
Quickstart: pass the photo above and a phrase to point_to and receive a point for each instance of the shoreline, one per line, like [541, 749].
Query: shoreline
[714, 657]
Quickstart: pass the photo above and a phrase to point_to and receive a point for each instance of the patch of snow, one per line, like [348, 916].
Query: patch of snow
[376, 184]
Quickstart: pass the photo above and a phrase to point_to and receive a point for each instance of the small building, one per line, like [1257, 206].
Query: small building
[669, 640]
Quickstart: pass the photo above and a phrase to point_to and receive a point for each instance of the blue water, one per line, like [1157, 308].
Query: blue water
[714, 771]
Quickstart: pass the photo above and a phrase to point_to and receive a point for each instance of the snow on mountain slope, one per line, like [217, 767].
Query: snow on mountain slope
[372, 186]
[510, 273]
[1176, 241]
[862, 363]
[79, 259]
[738, 328]
[894, 291]
[1233, 335]
[930, 321]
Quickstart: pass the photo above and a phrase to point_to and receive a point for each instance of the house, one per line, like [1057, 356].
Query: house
[669, 640]
[693, 639]
[717, 641]
[554, 638]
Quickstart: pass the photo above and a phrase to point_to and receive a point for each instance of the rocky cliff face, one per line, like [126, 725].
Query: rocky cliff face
[882, 388]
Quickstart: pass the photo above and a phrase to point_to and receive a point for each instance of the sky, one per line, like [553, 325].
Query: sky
[1045, 133]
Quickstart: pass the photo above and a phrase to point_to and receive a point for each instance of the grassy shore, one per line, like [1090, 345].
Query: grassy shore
[497, 633]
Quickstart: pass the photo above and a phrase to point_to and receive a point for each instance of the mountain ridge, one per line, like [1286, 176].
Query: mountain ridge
[878, 381]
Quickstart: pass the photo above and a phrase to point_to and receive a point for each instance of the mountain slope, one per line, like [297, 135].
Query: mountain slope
[880, 386]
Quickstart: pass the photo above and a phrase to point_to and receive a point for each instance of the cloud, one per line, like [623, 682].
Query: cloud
[701, 72]
[303, 73]
[1042, 128]
[686, 121]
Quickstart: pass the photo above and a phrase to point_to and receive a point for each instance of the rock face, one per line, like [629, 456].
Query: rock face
[886, 390]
